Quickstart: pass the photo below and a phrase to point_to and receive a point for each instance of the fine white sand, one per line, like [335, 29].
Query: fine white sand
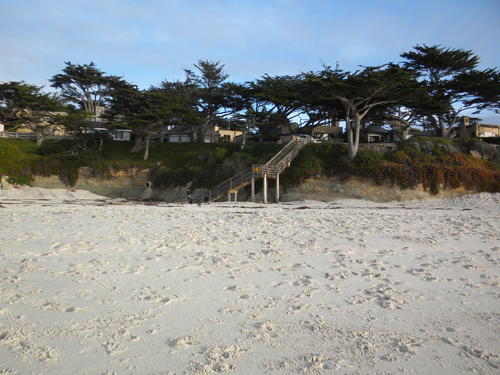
[96, 286]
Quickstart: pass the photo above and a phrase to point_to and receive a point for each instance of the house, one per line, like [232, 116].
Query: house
[467, 128]
[188, 134]
[285, 132]
[227, 135]
[52, 129]
[486, 130]
[178, 134]
[326, 132]
[378, 134]
[97, 116]
[121, 135]
[44, 119]
[249, 137]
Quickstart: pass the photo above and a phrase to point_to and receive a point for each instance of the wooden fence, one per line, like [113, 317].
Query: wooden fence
[17, 135]
[30, 135]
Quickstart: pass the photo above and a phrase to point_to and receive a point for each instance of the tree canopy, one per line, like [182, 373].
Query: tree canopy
[86, 86]
[23, 104]
[432, 85]
[453, 83]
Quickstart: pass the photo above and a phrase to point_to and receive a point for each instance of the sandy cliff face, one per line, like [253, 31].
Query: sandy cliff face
[130, 184]
[122, 183]
[328, 189]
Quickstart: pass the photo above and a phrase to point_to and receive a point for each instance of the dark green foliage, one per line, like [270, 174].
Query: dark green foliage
[220, 153]
[453, 84]
[15, 160]
[66, 167]
[432, 162]
[166, 177]
[204, 164]
[86, 86]
[485, 150]
[366, 161]
[55, 147]
[436, 162]
[324, 159]
[492, 140]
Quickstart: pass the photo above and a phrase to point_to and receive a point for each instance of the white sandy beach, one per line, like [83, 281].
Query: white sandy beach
[96, 286]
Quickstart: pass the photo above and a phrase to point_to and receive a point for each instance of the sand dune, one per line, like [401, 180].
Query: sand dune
[96, 286]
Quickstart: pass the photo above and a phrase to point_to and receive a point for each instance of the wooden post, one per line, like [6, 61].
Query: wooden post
[265, 187]
[232, 192]
[253, 189]
[277, 188]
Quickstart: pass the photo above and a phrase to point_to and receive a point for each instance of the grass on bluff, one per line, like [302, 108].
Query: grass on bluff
[16, 157]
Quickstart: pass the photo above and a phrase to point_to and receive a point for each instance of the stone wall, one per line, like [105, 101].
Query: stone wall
[380, 147]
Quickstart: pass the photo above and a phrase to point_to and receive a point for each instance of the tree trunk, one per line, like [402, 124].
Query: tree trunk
[353, 130]
[445, 130]
[146, 150]
[463, 131]
[137, 144]
[40, 137]
[350, 138]
[244, 141]
[405, 133]
[101, 140]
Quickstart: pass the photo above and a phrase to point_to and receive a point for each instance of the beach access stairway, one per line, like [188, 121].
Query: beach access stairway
[272, 169]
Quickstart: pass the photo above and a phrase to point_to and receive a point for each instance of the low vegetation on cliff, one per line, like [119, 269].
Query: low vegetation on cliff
[432, 162]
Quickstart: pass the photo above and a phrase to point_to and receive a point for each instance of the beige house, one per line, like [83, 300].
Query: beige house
[486, 130]
[476, 129]
[226, 135]
[52, 129]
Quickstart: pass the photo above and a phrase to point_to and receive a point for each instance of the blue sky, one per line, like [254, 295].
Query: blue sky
[151, 40]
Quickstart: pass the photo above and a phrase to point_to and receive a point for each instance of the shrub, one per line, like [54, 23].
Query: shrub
[220, 153]
[367, 161]
[15, 163]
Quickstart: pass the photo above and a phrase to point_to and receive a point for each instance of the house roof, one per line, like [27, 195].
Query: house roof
[378, 130]
[488, 126]
[179, 129]
[188, 129]
[325, 129]
[414, 131]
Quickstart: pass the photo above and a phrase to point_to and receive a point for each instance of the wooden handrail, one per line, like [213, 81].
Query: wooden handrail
[277, 164]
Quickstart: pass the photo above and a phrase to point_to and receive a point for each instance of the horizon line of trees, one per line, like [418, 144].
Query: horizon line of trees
[431, 88]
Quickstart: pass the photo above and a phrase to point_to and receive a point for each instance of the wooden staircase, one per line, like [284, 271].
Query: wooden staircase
[272, 169]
